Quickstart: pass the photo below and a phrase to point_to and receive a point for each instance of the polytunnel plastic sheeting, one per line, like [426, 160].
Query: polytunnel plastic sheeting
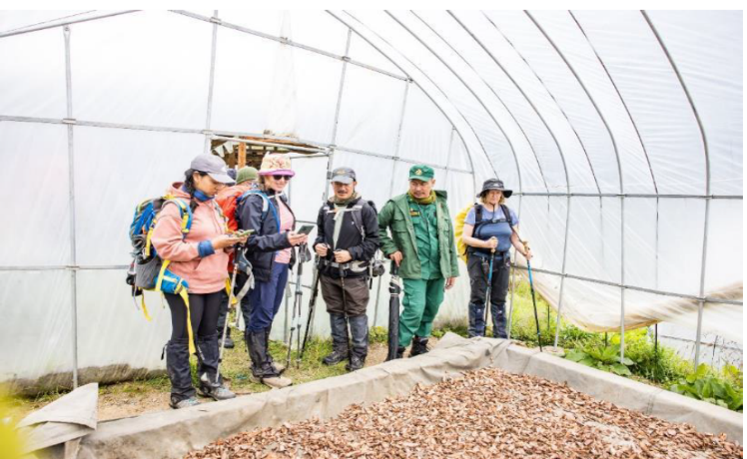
[38, 234]
[370, 120]
[26, 90]
[526, 96]
[154, 70]
[115, 170]
[37, 329]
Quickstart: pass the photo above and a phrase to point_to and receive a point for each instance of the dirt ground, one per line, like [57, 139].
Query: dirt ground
[135, 398]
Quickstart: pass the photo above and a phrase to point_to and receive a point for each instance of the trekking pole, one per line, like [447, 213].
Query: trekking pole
[344, 304]
[489, 292]
[225, 324]
[394, 291]
[312, 308]
[295, 318]
[534, 303]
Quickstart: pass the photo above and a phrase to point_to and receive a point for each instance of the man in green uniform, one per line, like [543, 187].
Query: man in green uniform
[422, 246]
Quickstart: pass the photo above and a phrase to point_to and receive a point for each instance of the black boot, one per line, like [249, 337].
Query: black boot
[419, 346]
[340, 350]
[261, 367]
[279, 368]
[211, 383]
[359, 338]
[177, 366]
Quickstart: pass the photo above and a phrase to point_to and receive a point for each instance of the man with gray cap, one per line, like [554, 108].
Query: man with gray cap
[347, 240]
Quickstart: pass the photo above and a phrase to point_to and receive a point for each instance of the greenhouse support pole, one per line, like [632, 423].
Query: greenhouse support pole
[211, 83]
[619, 172]
[391, 182]
[701, 303]
[338, 106]
[427, 94]
[71, 203]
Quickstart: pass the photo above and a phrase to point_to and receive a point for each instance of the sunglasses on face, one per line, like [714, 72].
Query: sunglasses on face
[281, 177]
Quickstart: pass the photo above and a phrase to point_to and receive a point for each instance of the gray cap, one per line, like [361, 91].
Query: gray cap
[343, 175]
[213, 166]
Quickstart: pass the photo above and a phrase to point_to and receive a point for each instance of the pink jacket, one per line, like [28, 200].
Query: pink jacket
[204, 275]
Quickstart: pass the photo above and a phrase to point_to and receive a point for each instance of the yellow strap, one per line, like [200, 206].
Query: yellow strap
[231, 298]
[185, 214]
[145, 309]
[185, 296]
[146, 252]
[161, 273]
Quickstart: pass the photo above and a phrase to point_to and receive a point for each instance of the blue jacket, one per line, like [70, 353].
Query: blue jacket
[253, 214]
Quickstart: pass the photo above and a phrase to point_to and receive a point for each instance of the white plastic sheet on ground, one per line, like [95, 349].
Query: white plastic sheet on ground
[637, 115]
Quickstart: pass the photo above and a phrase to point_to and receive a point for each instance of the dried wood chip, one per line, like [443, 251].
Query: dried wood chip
[485, 413]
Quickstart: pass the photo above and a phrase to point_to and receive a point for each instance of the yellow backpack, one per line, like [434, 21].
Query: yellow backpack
[459, 230]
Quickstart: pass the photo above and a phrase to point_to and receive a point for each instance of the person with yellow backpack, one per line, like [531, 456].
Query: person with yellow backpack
[192, 239]
[487, 235]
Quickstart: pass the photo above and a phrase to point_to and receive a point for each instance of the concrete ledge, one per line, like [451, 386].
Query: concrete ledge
[171, 434]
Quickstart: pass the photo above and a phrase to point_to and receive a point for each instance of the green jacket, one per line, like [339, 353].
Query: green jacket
[395, 215]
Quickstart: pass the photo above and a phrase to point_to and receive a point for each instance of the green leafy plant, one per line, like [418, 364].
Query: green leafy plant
[602, 358]
[704, 385]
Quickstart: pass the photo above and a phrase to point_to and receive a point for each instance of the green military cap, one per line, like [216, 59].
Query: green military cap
[421, 172]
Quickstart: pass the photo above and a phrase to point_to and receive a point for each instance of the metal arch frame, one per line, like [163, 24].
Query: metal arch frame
[490, 88]
[619, 171]
[64, 23]
[562, 158]
[552, 96]
[704, 255]
[469, 88]
[427, 94]
[286, 41]
[71, 190]
[622, 100]
[211, 83]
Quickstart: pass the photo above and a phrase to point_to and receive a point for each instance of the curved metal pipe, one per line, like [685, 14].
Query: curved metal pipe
[495, 93]
[708, 182]
[479, 100]
[620, 175]
[440, 108]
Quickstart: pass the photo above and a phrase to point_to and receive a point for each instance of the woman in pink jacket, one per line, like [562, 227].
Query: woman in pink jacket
[200, 259]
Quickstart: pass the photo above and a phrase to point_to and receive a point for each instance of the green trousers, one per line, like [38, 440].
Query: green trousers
[420, 306]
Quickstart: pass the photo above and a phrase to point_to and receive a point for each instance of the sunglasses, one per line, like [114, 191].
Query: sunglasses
[281, 177]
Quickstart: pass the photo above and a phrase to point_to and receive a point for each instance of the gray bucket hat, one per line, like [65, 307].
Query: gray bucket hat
[494, 184]
[212, 166]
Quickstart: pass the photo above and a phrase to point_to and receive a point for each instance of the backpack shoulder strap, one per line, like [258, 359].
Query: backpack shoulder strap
[478, 214]
[267, 205]
[507, 214]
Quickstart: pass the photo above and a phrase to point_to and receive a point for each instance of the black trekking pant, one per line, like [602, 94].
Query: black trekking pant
[203, 309]
[478, 269]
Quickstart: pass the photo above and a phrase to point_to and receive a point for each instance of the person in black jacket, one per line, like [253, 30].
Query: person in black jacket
[269, 250]
[347, 240]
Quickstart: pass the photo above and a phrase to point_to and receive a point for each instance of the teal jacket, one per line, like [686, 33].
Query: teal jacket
[395, 216]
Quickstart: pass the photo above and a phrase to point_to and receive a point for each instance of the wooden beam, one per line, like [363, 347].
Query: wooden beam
[242, 155]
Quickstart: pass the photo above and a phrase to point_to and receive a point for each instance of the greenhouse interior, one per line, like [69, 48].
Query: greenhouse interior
[619, 133]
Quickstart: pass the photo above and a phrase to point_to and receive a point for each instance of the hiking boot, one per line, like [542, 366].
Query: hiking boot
[214, 389]
[340, 349]
[359, 338]
[276, 382]
[262, 368]
[355, 363]
[178, 404]
[177, 366]
[278, 367]
[228, 342]
[217, 393]
[419, 346]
